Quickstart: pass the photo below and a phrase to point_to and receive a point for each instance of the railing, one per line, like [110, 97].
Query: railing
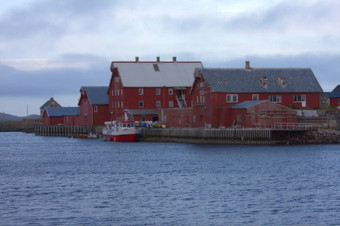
[297, 126]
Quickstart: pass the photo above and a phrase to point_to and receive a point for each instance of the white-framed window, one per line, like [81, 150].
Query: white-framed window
[116, 79]
[112, 92]
[158, 104]
[171, 104]
[232, 98]
[201, 84]
[255, 97]
[202, 99]
[140, 91]
[197, 99]
[158, 91]
[95, 108]
[170, 91]
[117, 92]
[141, 104]
[121, 92]
[277, 99]
[299, 98]
[194, 118]
[122, 104]
[118, 104]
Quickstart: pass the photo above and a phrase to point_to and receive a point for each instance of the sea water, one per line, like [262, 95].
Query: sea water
[64, 181]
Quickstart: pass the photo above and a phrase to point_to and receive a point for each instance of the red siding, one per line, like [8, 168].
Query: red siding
[121, 98]
[334, 102]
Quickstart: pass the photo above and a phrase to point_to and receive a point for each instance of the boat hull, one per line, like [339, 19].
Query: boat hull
[122, 138]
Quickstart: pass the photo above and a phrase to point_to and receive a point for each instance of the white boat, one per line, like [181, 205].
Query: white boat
[121, 131]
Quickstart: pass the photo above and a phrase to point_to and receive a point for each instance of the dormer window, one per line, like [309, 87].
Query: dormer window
[156, 67]
[281, 81]
[263, 81]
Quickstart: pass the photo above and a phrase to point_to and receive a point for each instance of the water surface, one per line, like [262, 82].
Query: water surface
[63, 181]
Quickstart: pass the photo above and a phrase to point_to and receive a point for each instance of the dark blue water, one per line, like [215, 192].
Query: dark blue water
[63, 181]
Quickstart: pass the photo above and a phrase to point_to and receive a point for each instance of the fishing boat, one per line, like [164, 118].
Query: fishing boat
[121, 131]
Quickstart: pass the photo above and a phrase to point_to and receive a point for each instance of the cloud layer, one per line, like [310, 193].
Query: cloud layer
[50, 47]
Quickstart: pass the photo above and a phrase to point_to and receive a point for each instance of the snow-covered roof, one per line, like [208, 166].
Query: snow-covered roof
[157, 74]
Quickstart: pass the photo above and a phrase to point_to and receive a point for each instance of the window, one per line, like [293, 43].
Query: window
[255, 97]
[276, 99]
[158, 104]
[121, 104]
[171, 91]
[201, 84]
[299, 98]
[116, 79]
[158, 91]
[95, 108]
[121, 92]
[117, 92]
[339, 100]
[140, 91]
[239, 118]
[118, 104]
[232, 98]
[112, 92]
[141, 104]
[171, 104]
[194, 118]
[202, 99]
[155, 66]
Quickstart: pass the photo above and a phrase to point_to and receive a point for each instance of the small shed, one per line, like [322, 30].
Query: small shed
[60, 116]
[263, 113]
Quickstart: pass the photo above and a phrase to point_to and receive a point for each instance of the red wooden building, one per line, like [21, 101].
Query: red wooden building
[60, 116]
[93, 106]
[141, 88]
[334, 97]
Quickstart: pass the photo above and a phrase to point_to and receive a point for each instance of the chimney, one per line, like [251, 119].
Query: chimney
[174, 59]
[158, 59]
[248, 65]
[137, 59]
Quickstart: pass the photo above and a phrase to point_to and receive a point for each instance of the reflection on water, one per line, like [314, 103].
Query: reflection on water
[52, 180]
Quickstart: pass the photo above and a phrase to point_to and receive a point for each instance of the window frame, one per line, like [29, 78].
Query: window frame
[278, 99]
[141, 104]
[255, 95]
[170, 91]
[140, 91]
[230, 98]
[158, 91]
[299, 98]
[171, 104]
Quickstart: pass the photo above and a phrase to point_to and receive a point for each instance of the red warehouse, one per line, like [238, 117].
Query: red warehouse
[93, 106]
[216, 88]
[60, 116]
[141, 88]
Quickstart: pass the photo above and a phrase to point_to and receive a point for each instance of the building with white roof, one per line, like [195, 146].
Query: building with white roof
[141, 88]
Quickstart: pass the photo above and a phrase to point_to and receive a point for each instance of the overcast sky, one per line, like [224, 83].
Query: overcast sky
[51, 48]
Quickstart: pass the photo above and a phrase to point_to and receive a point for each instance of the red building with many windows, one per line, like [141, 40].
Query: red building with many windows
[141, 88]
[216, 88]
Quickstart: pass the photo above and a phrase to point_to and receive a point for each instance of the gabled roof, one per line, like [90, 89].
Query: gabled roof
[333, 94]
[157, 74]
[247, 104]
[336, 89]
[49, 102]
[267, 80]
[62, 111]
[97, 94]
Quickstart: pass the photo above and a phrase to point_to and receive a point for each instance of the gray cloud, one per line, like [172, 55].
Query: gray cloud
[50, 82]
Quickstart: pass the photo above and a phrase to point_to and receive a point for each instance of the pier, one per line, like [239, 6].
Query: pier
[63, 131]
[216, 136]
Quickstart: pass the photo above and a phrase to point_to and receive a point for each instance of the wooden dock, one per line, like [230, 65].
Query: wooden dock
[217, 136]
[63, 131]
